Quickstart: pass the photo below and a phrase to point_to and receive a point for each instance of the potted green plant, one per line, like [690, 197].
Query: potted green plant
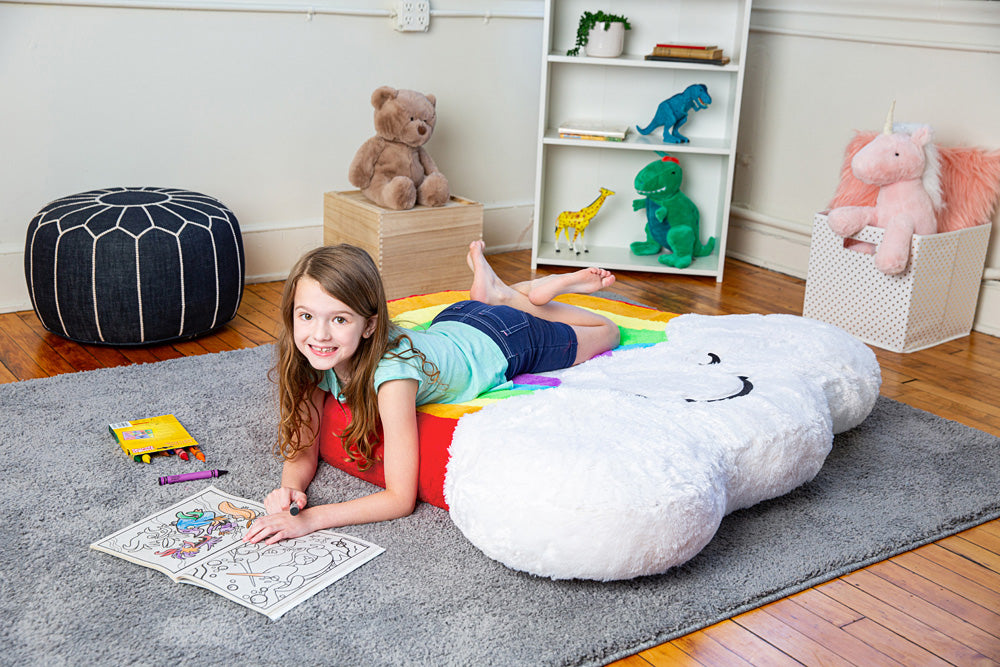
[603, 34]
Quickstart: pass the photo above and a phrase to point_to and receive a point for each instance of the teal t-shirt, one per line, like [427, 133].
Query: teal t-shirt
[469, 363]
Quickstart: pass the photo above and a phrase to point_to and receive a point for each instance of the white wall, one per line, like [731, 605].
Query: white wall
[265, 110]
[817, 72]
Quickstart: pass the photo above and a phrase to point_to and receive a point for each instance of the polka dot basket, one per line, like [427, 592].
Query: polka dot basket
[134, 265]
[931, 302]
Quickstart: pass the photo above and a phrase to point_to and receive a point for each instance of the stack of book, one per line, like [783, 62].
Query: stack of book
[689, 53]
[594, 130]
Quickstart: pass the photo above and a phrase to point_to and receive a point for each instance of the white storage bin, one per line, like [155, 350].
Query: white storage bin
[931, 302]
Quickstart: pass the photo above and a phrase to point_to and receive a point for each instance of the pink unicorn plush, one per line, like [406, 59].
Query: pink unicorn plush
[906, 167]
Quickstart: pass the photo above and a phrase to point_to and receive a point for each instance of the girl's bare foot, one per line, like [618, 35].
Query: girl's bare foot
[486, 285]
[584, 281]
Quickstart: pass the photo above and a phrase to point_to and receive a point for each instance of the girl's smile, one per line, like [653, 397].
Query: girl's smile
[326, 331]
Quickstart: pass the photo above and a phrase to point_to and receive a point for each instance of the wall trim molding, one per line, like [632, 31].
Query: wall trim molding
[512, 10]
[936, 12]
[746, 214]
[783, 246]
[768, 241]
[923, 44]
[988, 310]
[958, 25]
[13, 290]
[279, 225]
[272, 247]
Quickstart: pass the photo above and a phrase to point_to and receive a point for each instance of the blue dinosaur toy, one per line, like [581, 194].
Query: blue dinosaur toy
[672, 112]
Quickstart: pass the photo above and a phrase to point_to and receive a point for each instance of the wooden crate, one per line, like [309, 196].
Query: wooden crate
[418, 251]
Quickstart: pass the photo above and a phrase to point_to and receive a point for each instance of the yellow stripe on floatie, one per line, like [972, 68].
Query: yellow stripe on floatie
[419, 310]
[456, 410]
[622, 313]
[449, 410]
[425, 301]
[415, 311]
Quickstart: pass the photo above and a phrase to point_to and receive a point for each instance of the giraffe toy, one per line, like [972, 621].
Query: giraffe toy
[578, 221]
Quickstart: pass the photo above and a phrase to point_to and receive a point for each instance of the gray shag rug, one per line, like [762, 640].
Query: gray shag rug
[901, 479]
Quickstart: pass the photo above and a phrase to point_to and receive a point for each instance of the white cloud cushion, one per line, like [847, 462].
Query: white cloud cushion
[628, 467]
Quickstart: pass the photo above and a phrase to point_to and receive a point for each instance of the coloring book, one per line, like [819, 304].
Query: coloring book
[199, 541]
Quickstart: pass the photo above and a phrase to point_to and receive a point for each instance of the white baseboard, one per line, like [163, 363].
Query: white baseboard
[13, 289]
[270, 252]
[783, 246]
[272, 249]
[768, 242]
[507, 227]
[988, 311]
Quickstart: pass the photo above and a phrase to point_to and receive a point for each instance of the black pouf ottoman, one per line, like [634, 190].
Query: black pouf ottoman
[134, 266]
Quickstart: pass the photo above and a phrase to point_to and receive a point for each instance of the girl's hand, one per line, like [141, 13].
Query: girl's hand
[277, 527]
[281, 499]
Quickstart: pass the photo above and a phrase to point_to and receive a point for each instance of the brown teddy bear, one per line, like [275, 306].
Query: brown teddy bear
[392, 168]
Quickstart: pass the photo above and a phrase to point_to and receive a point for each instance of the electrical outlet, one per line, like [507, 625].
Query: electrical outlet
[413, 16]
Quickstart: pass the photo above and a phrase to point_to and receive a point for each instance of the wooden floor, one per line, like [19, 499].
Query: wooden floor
[936, 605]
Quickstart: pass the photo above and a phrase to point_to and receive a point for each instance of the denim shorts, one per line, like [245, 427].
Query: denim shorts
[530, 344]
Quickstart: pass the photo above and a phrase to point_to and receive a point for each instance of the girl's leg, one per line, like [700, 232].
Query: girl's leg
[595, 333]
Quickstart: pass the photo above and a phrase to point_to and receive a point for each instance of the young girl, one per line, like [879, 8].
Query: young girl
[337, 337]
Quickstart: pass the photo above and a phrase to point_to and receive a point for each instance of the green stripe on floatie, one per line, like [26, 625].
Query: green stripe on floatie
[642, 336]
[507, 393]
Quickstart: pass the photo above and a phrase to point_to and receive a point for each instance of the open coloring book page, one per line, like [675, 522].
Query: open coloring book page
[200, 541]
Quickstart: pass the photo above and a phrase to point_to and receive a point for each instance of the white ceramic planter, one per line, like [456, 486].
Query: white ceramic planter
[608, 43]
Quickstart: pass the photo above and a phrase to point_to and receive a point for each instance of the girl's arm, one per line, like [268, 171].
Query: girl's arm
[298, 472]
[397, 408]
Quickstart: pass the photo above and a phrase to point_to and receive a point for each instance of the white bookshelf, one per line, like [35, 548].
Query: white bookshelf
[627, 89]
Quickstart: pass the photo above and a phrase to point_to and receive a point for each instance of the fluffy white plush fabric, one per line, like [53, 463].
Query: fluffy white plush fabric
[628, 466]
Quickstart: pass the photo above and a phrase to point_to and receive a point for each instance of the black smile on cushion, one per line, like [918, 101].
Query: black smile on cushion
[746, 389]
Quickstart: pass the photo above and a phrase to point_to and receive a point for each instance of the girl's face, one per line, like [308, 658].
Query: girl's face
[326, 331]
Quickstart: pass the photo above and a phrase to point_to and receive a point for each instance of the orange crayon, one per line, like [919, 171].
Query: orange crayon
[198, 454]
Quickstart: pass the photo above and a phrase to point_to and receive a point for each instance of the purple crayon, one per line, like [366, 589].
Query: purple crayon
[190, 476]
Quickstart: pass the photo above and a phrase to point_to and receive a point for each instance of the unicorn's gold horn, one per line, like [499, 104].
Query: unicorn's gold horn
[888, 119]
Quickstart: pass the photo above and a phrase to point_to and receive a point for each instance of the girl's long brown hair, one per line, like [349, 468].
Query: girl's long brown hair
[348, 274]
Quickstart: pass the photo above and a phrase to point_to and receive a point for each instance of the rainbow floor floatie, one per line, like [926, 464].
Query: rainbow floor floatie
[639, 327]
[625, 465]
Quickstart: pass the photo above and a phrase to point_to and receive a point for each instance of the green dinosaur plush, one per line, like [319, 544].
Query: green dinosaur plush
[671, 218]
